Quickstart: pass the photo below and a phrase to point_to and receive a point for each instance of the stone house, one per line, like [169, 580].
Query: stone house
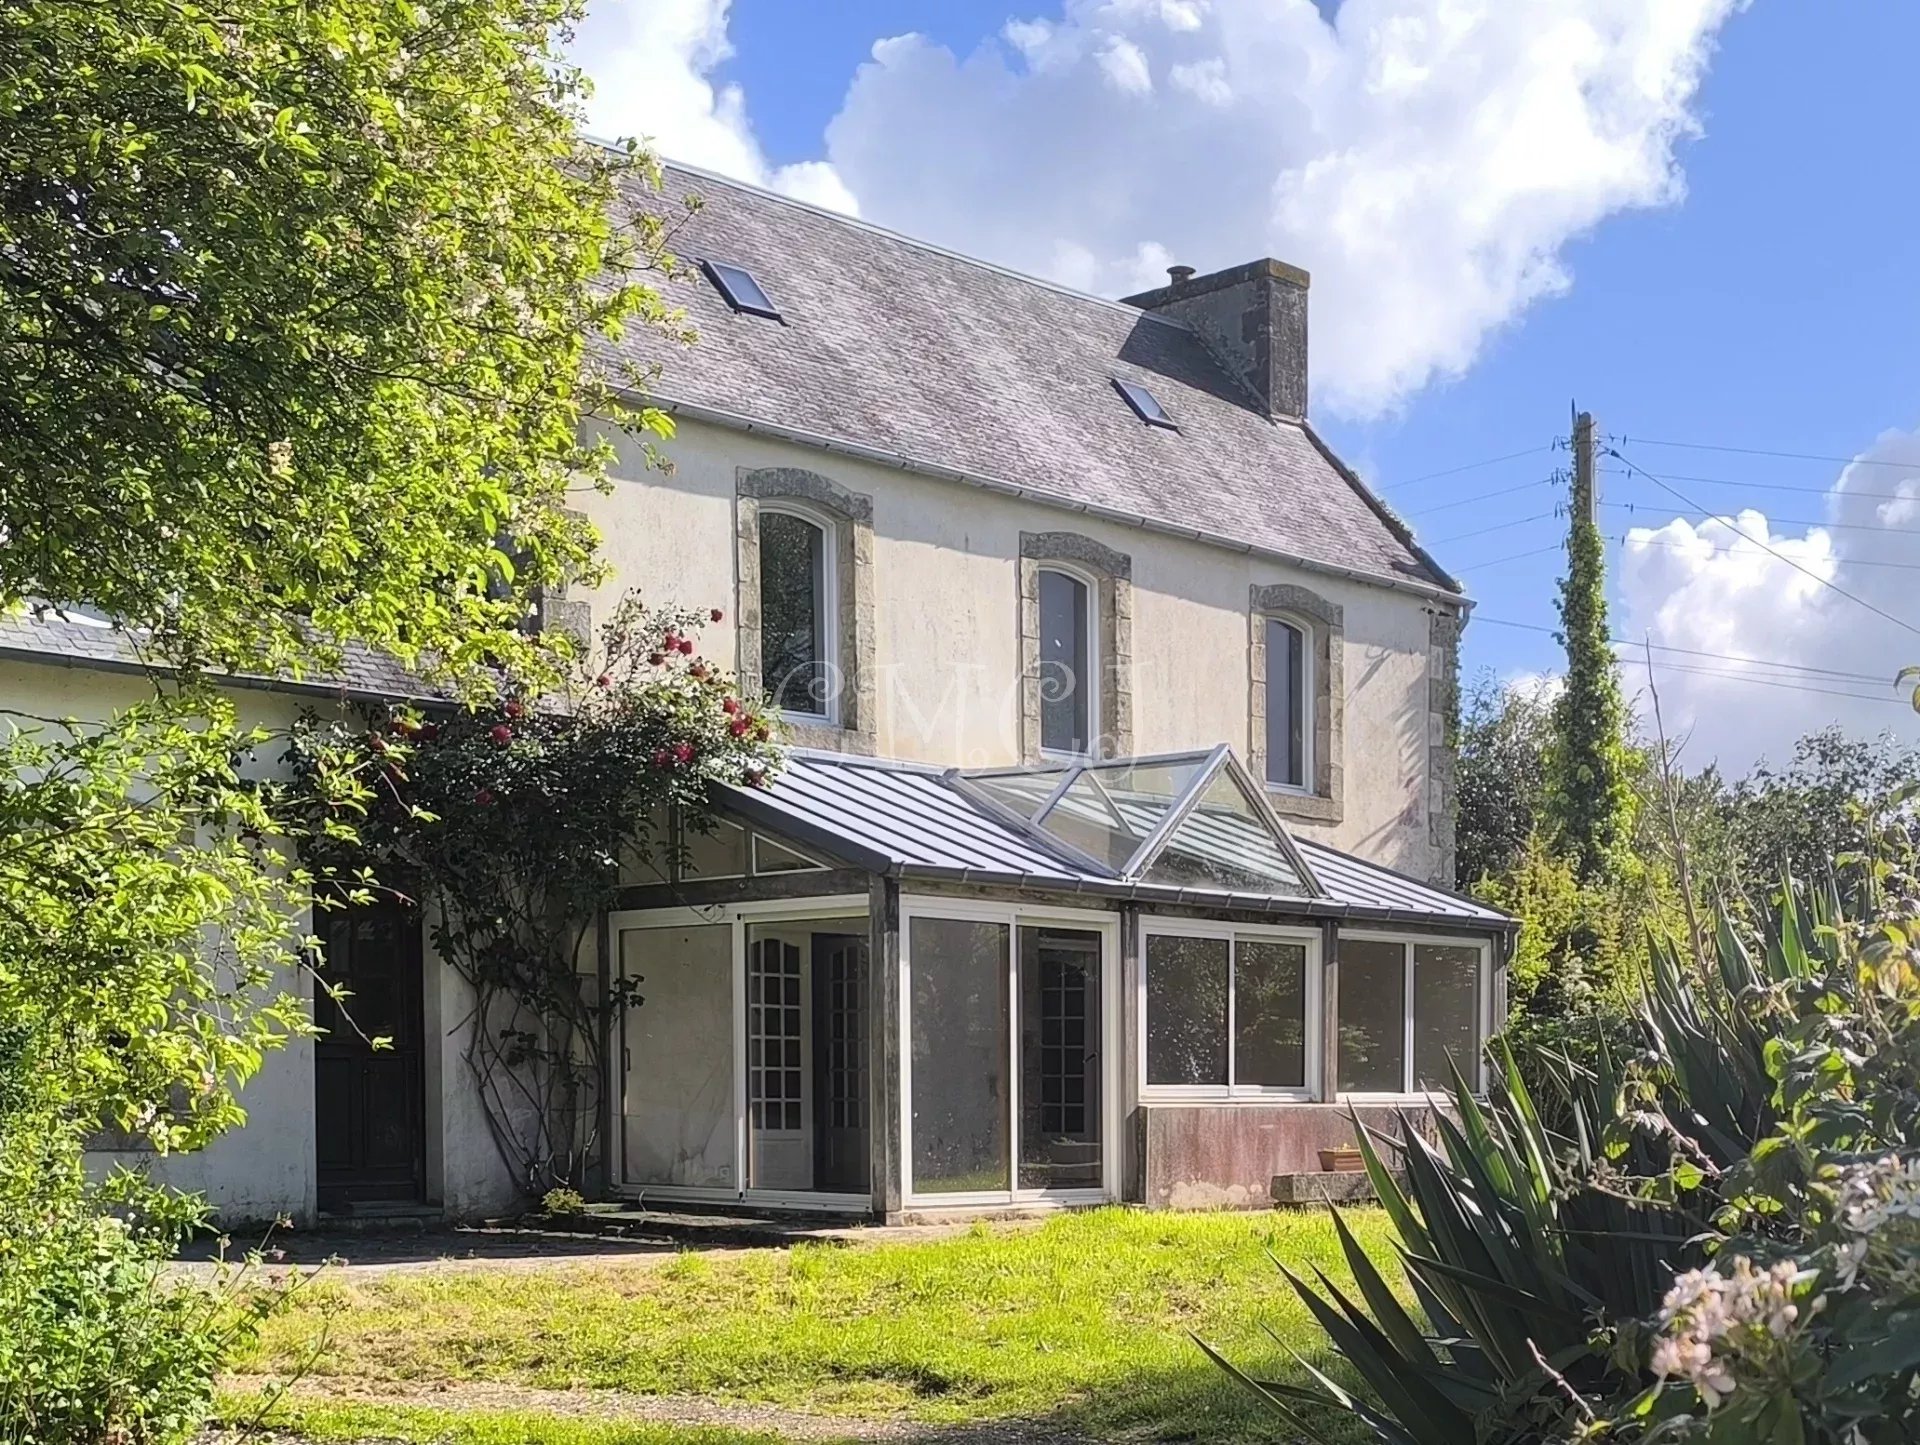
[1112, 859]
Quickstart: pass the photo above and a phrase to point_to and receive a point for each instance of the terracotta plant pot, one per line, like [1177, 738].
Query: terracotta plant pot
[1343, 1159]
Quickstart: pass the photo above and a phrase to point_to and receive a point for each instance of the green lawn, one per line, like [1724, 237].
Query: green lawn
[1083, 1323]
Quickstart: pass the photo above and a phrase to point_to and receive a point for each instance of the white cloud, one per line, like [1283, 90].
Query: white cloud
[652, 63]
[1426, 159]
[1711, 587]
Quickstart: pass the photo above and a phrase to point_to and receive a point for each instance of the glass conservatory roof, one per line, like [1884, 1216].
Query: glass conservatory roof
[1192, 820]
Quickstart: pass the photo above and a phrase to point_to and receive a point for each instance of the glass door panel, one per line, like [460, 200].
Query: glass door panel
[677, 1110]
[960, 1017]
[1060, 1059]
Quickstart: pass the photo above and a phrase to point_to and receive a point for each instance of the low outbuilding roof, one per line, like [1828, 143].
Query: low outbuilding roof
[912, 821]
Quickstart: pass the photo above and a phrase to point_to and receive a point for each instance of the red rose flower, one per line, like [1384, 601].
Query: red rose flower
[515, 708]
[686, 646]
[605, 679]
[698, 672]
[501, 734]
[716, 614]
[683, 752]
[661, 757]
[739, 726]
[730, 706]
[656, 658]
[484, 797]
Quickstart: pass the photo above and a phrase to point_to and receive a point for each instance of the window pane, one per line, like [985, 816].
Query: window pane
[1226, 843]
[793, 620]
[1110, 808]
[712, 849]
[958, 1009]
[1186, 1010]
[1060, 1059]
[1270, 1013]
[1372, 1004]
[1286, 705]
[1446, 1013]
[676, 1102]
[1025, 791]
[1066, 681]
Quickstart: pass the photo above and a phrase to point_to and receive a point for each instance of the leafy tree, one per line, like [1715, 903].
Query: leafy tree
[1832, 798]
[1589, 801]
[1504, 736]
[298, 307]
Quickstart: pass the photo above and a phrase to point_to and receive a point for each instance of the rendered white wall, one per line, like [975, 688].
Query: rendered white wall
[947, 624]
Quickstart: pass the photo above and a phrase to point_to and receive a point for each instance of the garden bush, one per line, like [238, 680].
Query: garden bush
[97, 1342]
[1722, 1240]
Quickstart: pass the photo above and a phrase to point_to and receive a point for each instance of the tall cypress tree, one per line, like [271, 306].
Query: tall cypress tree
[1589, 801]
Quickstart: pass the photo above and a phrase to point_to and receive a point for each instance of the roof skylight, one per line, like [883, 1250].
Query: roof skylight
[1145, 404]
[1189, 821]
[742, 290]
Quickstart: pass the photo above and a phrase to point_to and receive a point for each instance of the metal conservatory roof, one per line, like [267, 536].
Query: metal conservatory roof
[1189, 828]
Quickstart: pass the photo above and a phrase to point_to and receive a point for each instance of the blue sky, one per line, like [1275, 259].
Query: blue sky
[1772, 305]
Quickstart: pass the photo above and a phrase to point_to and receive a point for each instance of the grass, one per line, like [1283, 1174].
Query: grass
[1083, 1322]
[330, 1423]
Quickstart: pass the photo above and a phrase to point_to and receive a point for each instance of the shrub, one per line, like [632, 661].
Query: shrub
[1720, 1244]
[97, 1343]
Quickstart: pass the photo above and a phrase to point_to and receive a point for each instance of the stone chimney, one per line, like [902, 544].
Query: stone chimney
[1253, 318]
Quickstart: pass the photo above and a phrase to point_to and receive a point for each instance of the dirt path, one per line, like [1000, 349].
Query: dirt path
[690, 1410]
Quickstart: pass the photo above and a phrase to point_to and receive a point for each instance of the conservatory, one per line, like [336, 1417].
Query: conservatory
[886, 989]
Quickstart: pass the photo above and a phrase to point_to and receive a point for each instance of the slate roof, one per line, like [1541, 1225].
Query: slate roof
[364, 674]
[949, 364]
[911, 821]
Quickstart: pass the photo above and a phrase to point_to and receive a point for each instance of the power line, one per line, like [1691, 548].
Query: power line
[1517, 556]
[1697, 652]
[1831, 586]
[1727, 517]
[1761, 452]
[1483, 497]
[1466, 467]
[1785, 686]
[1497, 527]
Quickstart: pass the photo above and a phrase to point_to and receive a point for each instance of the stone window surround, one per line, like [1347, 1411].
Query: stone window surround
[1323, 622]
[1111, 573]
[852, 517]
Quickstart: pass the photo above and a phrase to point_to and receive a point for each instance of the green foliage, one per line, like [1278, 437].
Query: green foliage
[1719, 1244]
[510, 824]
[1503, 740]
[95, 1343]
[144, 915]
[298, 305]
[1588, 801]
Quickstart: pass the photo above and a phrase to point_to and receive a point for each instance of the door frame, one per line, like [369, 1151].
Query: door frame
[412, 971]
[1113, 1045]
[737, 916]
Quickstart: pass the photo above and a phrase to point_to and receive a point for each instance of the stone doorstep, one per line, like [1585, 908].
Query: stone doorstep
[1320, 1187]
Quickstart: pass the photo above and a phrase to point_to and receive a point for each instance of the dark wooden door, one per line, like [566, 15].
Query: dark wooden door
[842, 1161]
[369, 1103]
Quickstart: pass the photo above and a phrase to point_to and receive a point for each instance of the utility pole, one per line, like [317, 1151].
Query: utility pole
[1588, 797]
[1586, 488]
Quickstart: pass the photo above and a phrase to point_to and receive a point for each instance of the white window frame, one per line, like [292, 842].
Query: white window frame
[1408, 1093]
[1308, 703]
[829, 608]
[1016, 916]
[738, 916]
[1230, 1092]
[1095, 680]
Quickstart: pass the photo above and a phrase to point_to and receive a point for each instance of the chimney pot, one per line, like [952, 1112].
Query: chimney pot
[1180, 274]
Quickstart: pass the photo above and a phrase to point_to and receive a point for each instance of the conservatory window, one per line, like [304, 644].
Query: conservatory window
[1410, 1011]
[1229, 1014]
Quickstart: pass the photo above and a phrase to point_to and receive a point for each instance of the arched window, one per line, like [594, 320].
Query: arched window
[1289, 704]
[798, 614]
[1069, 686]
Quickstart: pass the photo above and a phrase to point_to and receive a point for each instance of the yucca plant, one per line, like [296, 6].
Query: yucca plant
[1535, 1256]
